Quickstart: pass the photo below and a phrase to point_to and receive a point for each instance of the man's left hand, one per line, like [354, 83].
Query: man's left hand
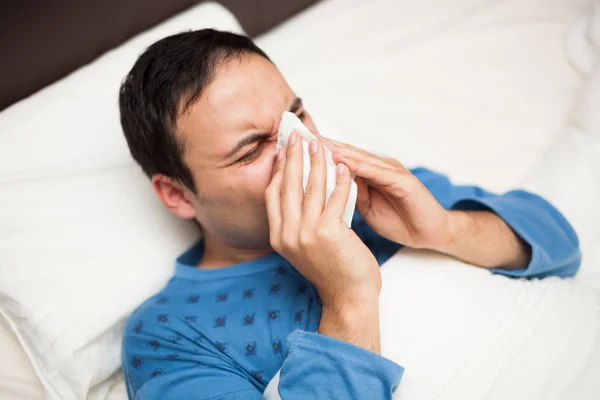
[393, 201]
[400, 208]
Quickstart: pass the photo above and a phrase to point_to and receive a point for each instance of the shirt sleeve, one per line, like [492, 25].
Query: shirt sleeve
[554, 243]
[315, 367]
[320, 367]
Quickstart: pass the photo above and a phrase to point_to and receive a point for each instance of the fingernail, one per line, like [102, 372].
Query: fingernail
[340, 169]
[280, 153]
[292, 139]
[313, 145]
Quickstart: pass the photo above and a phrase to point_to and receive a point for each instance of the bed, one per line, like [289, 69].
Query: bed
[496, 93]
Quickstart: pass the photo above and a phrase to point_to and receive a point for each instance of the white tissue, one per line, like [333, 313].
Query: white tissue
[289, 122]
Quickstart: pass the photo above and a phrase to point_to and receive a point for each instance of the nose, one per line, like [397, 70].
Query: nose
[272, 153]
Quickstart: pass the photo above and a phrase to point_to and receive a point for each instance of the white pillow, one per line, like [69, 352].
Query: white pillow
[583, 39]
[473, 89]
[77, 217]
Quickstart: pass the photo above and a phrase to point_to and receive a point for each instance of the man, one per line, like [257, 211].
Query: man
[278, 281]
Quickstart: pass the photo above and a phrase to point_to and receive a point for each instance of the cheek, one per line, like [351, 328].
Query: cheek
[256, 177]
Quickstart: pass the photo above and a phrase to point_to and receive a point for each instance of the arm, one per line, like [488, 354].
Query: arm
[477, 237]
[484, 239]
[355, 321]
[516, 234]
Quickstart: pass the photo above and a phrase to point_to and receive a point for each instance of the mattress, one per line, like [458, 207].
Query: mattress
[476, 89]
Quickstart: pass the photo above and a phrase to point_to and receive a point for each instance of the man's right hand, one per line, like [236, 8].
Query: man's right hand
[312, 235]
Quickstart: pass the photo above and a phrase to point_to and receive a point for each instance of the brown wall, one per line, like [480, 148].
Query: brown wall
[43, 40]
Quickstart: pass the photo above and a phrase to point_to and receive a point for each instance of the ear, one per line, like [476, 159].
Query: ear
[174, 195]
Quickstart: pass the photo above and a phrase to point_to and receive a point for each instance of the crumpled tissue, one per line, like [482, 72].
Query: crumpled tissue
[289, 123]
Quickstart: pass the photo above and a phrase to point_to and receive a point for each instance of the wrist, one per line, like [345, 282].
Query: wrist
[347, 307]
[354, 323]
[458, 224]
[365, 294]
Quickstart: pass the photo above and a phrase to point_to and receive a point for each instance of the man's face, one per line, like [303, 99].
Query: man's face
[230, 135]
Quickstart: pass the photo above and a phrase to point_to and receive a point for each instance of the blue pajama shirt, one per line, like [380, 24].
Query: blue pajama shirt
[224, 333]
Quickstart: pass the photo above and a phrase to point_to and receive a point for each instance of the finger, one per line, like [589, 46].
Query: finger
[345, 150]
[292, 193]
[395, 162]
[322, 138]
[314, 196]
[331, 144]
[337, 143]
[336, 205]
[382, 178]
[363, 197]
[353, 153]
[273, 196]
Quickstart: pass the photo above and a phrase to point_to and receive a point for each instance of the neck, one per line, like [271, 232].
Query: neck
[218, 254]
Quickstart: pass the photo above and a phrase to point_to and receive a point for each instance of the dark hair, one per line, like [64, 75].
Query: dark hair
[163, 83]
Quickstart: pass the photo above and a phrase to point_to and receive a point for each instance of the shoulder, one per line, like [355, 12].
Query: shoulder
[153, 312]
[167, 316]
[160, 337]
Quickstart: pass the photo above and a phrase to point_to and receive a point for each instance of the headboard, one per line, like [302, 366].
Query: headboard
[41, 41]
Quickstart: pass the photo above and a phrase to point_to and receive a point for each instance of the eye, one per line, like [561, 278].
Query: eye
[253, 155]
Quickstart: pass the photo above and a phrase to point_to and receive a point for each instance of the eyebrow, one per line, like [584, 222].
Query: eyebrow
[253, 138]
[296, 104]
[257, 137]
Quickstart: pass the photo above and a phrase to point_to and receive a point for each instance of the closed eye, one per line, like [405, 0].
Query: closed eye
[251, 156]
[256, 152]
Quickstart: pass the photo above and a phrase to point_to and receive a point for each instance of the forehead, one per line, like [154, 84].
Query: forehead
[246, 95]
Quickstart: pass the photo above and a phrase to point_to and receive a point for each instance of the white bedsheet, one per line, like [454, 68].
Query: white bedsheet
[463, 334]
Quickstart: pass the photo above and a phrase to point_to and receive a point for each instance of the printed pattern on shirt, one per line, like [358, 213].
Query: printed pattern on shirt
[242, 322]
[181, 327]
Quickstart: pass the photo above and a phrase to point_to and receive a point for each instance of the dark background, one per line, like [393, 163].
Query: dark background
[43, 40]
